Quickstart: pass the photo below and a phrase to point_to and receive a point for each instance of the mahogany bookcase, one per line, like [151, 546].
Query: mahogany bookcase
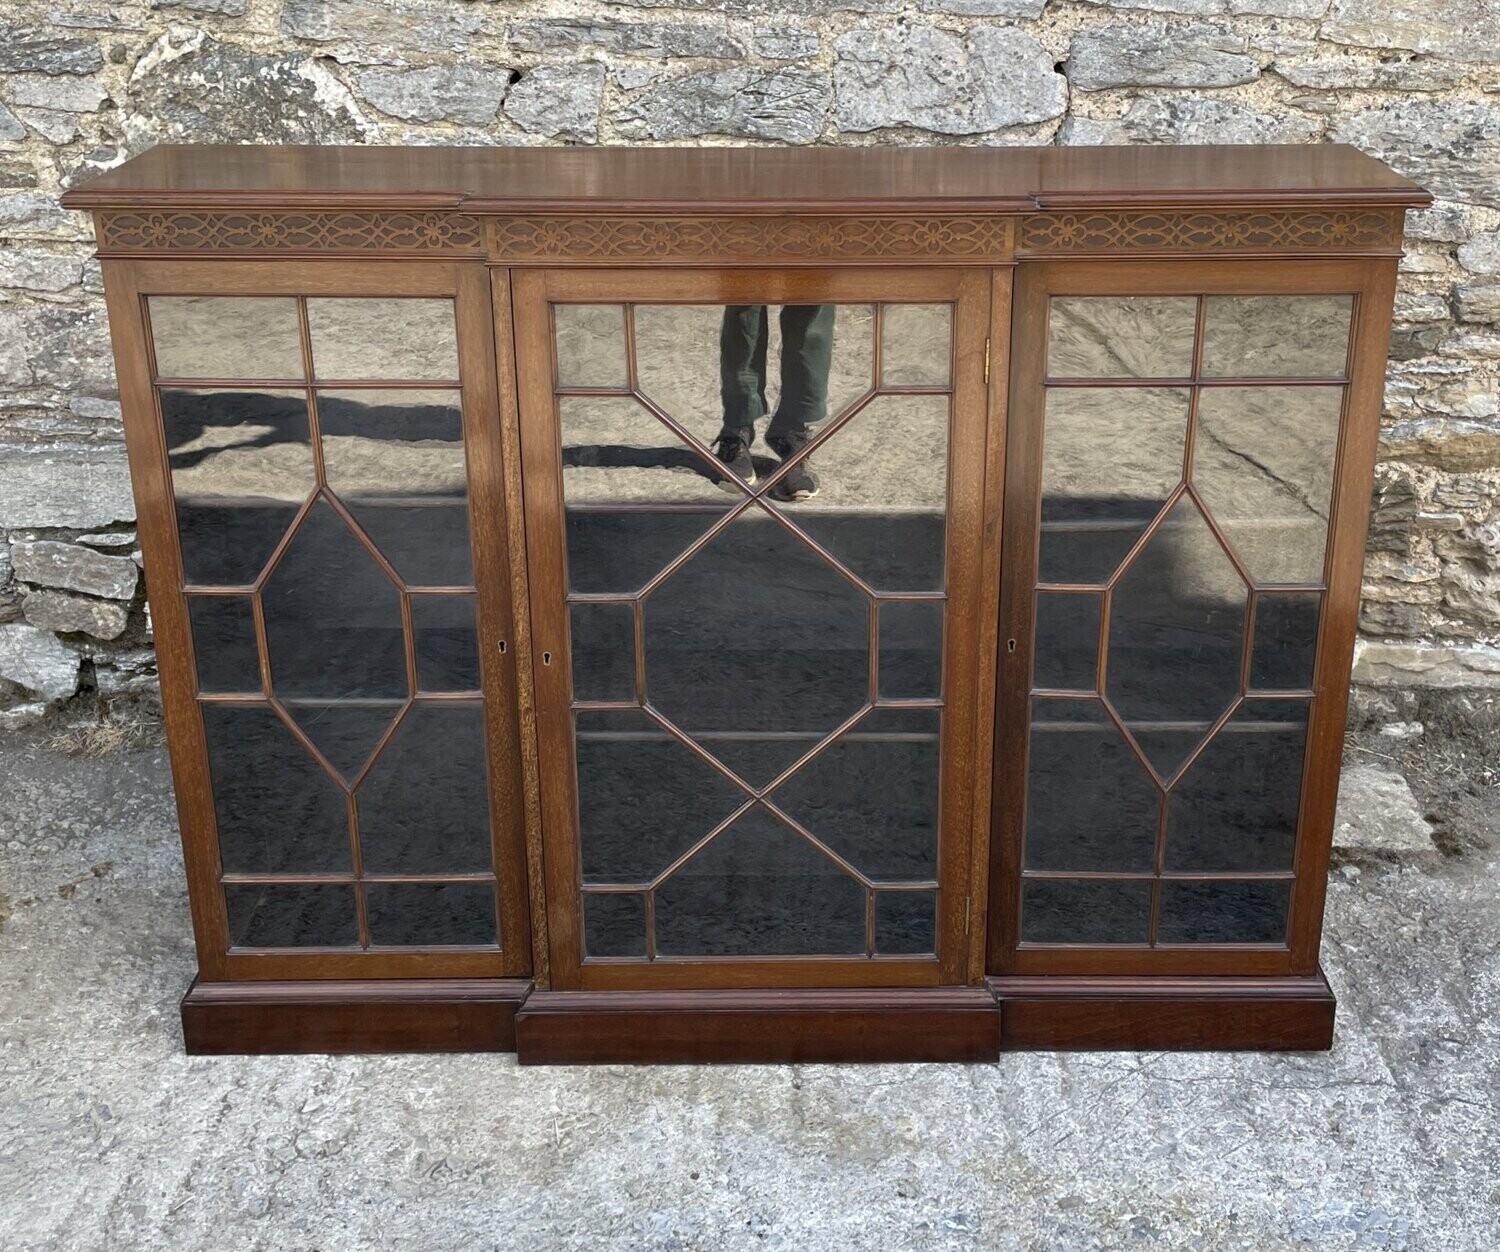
[503, 715]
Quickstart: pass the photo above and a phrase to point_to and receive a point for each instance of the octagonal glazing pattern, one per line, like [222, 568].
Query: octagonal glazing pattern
[1188, 456]
[317, 458]
[749, 783]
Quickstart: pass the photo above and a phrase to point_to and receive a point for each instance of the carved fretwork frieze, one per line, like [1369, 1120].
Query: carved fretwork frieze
[1282, 230]
[356, 233]
[741, 240]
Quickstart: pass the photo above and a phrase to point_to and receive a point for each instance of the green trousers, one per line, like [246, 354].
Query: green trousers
[806, 355]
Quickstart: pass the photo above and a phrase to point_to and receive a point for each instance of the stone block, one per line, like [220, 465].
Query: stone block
[1481, 254]
[936, 80]
[50, 563]
[63, 612]
[25, 50]
[38, 271]
[779, 44]
[45, 91]
[72, 488]
[38, 661]
[225, 8]
[653, 39]
[741, 101]
[986, 8]
[1478, 302]
[1460, 30]
[363, 28]
[1452, 147]
[11, 127]
[1153, 54]
[1377, 812]
[559, 101]
[1384, 663]
[453, 93]
[1159, 119]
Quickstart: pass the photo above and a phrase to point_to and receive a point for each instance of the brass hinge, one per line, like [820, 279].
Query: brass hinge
[968, 908]
[986, 360]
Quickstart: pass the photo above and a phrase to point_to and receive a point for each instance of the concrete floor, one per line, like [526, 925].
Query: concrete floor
[110, 1137]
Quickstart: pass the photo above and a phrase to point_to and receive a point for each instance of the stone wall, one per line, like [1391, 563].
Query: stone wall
[84, 84]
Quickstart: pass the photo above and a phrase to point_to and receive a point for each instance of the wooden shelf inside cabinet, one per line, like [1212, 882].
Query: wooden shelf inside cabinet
[765, 604]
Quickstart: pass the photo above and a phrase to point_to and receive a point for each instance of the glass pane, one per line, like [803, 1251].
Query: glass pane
[916, 345]
[759, 890]
[618, 553]
[1176, 633]
[1121, 336]
[1111, 457]
[277, 811]
[590, 345]
[391, 338]
[345, 733]
[1286, 639]
[1090, 804]
[716, 366]
[396, 460]
[757, 648]
[911, 649]
[333, 619]
[1223, 912]
[1263, 463]
[226, 337]
[241, 468]
[1066, 651]
[615, 451]
[224, 643]
[643, 798]
[602, 640]
[447, 643]
[1235, 809]
[431, 914]
[905, 922]
[1276, 336]
[614, 924]
[872, 795]
[292, 917]
[424, 807]
[880, 504]
[1057, 910]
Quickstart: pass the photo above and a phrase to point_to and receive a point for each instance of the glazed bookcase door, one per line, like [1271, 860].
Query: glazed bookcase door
[1188, 471]
[322, 516]
[756, 709]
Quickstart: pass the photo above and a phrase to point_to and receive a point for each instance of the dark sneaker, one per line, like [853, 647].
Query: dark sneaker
[799, 482]
[733, 450]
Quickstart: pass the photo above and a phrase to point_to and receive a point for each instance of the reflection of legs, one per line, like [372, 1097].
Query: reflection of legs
[743, 338]
[806, 357]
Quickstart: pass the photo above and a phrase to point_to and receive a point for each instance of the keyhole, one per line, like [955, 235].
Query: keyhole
[1010, 645]
[501, 646]
[546, 658]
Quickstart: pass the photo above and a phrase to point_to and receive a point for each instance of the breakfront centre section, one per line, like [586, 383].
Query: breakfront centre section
[668, 604]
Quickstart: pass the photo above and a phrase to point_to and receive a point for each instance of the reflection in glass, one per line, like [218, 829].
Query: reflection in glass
[1263, 463]
[590, 345]
[758, 889]
[1223, 912]
[1276, 336]
[1090, 804]
[1121, 336]
[277, 811]
[431, 914]
[602, 641]
[615, 451]
[447, 643]
[345, 733]
[643, 798]
[716, 366]
[245, 337]
[1235, 809]
[1066, 652]
[396, 460]
[614, 924]
[757, 648]
[386, 338]
[1286, 640]
[241, 468]
[424, 807]
[1111, 457]
[911, 649]
[881, 502]
[1055, 910]
[905, 923]
[1176, 632]
[333, 619]
[872, 795]
[320, 916]
[916, 345]
[224, 644]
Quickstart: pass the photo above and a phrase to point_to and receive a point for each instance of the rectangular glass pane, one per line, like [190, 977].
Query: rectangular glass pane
[1223, 912]
[756, 561]
[1121, 336]
[386, 338]
[1092, 911]
[447, 643]
[241, 337]
[1276, 336]
[431, 914]
[321, 916]
[224, 644]
[905, 922]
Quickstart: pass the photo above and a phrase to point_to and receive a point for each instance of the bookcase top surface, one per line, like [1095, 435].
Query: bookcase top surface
[768, 180]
